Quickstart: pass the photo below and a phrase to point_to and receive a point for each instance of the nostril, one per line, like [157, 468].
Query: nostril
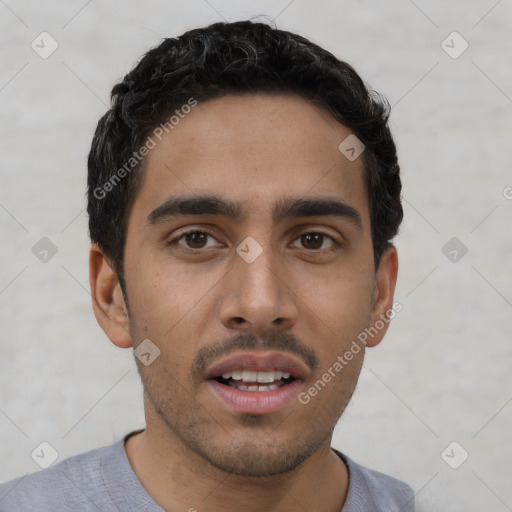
[239, 320]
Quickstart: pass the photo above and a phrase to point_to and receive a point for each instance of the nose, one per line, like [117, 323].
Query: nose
[256, 296]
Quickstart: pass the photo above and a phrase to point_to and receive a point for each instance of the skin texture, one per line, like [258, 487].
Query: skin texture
[300, 296]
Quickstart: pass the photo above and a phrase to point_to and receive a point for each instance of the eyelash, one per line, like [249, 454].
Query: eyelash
[175, 240]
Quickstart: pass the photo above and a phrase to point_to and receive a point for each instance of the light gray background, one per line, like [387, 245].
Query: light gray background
[442, 373]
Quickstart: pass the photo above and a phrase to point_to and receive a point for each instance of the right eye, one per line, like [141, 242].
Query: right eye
[193, 239]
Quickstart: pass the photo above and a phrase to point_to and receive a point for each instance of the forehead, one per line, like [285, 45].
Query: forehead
[253, 149]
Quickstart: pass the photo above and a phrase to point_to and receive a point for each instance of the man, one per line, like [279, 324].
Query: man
[243, 192]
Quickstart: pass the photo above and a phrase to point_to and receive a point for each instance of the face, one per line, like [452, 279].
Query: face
[249, 264]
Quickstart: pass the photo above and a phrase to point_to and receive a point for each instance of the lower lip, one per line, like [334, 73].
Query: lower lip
[256, 402]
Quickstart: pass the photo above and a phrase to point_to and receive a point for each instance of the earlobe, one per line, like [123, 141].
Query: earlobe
[107, 299]
[385, 282]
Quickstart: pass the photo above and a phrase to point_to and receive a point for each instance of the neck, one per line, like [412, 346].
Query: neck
[178, 479]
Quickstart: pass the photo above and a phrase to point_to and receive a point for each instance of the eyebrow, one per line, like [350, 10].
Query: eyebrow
[179, 206]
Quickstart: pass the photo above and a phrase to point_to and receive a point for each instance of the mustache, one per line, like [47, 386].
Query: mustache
[273, 340]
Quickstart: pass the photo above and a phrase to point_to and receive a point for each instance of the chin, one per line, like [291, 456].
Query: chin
[253, 460]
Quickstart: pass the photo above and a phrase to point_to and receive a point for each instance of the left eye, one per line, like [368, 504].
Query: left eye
[314, 240]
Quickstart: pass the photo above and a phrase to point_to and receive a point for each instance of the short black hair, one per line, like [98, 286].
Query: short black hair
[232, 58]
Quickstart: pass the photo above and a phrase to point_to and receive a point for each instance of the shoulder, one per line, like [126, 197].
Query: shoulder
[373, 491]
[76, 483]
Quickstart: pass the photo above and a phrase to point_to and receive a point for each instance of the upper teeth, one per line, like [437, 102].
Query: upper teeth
[252, 376]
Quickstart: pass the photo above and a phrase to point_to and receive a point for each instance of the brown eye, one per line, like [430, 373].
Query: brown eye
[314, 241]
[194, 240]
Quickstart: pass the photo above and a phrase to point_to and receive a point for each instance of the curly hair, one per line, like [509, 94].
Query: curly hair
[234, 58]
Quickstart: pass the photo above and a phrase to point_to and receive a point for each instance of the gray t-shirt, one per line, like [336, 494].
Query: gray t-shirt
[103, 480]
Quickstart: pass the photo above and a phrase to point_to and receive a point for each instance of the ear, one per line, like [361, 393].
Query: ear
[107, 299]
[382, 309]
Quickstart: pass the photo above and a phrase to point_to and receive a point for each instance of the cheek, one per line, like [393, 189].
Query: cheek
[168, 306]
[343, 313]
[164, 294]
[332, 320]
[341, 298]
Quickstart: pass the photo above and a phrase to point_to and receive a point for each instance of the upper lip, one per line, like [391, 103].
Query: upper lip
[258, 361]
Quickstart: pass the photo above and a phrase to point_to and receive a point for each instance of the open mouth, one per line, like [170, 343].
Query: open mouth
[256, 382]
[250, 380]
